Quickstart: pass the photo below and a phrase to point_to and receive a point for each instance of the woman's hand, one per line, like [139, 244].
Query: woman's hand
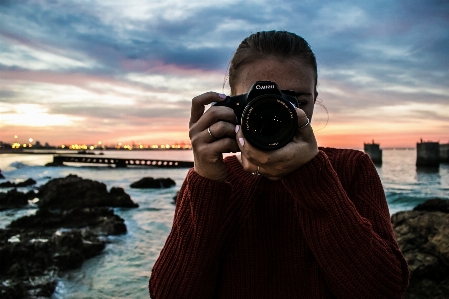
[278, 163]
[209, 146]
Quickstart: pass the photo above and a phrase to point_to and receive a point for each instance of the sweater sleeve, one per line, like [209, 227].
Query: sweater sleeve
[188, 264]
[351, 238]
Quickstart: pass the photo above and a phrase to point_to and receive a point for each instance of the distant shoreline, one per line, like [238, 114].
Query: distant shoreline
[26, 153]
[69, 151]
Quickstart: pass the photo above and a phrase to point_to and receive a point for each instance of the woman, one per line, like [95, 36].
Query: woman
[296, 222]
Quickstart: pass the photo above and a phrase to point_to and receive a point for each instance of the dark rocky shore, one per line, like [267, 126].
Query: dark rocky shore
[74, 215]
[423, 236]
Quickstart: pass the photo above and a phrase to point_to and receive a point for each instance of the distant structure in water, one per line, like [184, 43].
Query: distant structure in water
[373, 150]
[58, 160]
[427, 154]
[444, 153]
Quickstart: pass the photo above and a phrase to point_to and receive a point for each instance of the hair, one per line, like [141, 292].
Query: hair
[266, 44]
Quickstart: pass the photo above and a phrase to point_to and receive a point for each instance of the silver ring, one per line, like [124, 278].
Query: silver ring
[308, 122]
[257, 171]
[208, 130]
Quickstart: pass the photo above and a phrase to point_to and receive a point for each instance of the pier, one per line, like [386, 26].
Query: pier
[373, 150]
[427, 154]
[444, 153]
[59, 160]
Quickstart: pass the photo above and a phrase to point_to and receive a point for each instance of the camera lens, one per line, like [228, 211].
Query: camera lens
[269, 122]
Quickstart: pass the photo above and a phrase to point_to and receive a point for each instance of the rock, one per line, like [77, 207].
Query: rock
[52, 164]
[1, 175]
[149, 182]
[13, 289]
[69, 259]
[14, 199]
[28, 182]
[119, 198]
[8, 184]
[67, 229]
[75, 192]
[434, 205]
[423, 237]
[30, 259]
[29, 264]
[101, 220]
[31, 195]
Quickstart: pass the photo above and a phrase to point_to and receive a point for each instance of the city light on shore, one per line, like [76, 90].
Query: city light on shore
[84, 147]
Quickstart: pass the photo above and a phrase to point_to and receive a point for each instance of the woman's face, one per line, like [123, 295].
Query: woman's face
[291, 74]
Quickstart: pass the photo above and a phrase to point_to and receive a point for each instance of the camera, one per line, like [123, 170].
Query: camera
[266, 114]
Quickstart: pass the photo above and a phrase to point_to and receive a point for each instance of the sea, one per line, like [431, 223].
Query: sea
[123, 270]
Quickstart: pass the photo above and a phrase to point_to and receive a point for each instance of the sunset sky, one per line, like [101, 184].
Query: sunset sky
[126, 71]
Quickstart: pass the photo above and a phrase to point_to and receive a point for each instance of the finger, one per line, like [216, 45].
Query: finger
[221, 129]
[211, 135]
[252, 154]
[213, 115]
[248, 165]
[243, 144]
[269, 161]
[223, 145]
[199, 102]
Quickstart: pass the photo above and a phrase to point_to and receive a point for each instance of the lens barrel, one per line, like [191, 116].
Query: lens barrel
[269, 122]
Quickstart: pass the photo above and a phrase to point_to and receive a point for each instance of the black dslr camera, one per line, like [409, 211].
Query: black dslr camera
[267, 115]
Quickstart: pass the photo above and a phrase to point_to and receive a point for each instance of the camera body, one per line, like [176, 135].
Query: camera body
[267, 115]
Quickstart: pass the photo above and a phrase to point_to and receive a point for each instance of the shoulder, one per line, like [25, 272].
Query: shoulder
[346, 156]
[349, 164]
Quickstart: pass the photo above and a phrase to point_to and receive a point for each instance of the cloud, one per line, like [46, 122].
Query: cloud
[108, 66]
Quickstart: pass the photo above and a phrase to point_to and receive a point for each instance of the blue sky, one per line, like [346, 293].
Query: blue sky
[122, 71]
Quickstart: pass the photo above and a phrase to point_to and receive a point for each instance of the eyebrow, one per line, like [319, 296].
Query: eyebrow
[296, 93]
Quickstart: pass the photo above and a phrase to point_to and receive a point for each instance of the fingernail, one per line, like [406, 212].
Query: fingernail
[237, 128]
[221, 95]
[242, 141]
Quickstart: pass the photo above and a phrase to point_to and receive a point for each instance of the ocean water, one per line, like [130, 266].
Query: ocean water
[123, 270]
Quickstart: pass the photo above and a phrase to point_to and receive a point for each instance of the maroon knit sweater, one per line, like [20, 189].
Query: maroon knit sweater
[323, 231]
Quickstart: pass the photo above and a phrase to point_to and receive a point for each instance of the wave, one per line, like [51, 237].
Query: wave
[409, 200]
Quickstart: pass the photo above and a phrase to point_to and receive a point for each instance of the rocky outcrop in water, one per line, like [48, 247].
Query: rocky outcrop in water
[97, 220]
[69, 227]
[423, 237]
[149, 182]
[30, 259]
[75, 192]
[26, 183]
[15, 199]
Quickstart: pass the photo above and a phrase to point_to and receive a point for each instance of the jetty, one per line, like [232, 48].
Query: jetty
[444, 153]
[427, 154]
[60, 160]
[373, 151]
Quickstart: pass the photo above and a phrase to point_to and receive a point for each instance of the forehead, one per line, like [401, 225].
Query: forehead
[292, 73]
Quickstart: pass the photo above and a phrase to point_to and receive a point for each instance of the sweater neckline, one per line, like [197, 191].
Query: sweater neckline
[236, 174]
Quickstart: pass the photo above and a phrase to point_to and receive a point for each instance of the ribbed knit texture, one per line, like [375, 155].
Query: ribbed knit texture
[323, 231]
